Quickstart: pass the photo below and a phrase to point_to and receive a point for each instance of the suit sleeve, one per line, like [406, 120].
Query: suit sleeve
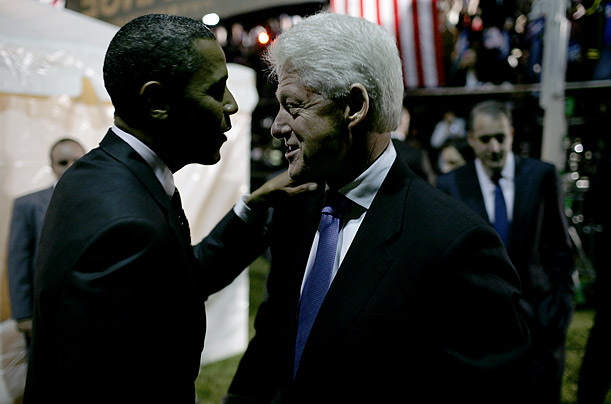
[229, 248]
[478, 324]
[21, 255]
[263, 367]
[555, 306]
[557, 253]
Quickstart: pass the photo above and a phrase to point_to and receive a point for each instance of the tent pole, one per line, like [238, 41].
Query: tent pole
[553, 78]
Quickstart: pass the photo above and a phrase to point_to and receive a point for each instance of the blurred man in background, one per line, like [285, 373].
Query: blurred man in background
[26, 225]
[521, 199]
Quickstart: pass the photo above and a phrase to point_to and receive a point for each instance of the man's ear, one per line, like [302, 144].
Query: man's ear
[155, 100]
[358, 104]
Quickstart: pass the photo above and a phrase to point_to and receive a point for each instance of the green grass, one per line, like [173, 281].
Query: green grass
[214, 379]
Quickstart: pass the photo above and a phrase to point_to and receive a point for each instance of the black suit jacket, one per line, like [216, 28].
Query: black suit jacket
[423, 308]
[120, 292]
[538, 244]
[26, 225]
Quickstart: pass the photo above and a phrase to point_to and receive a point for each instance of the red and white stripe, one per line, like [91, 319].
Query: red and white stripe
[415, 25]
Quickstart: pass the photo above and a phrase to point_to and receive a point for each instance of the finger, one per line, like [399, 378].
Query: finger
[307, 187]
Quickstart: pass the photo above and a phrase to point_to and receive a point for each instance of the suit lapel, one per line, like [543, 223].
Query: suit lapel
[367, 259]
[121, 151]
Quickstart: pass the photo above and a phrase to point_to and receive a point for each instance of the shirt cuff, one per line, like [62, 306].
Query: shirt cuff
[248, 215]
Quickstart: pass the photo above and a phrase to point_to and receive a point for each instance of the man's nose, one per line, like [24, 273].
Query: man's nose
[280, 127]
[230, 106]
[495, 145]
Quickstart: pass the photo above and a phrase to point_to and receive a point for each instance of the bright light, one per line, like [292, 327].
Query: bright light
[513, 61]
[211, 19]
[263, 38]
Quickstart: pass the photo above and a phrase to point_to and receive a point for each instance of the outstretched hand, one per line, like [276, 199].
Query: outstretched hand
[277, 190]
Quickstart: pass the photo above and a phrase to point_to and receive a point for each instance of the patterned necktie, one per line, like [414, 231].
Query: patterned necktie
[318, 280]
[182, 218]
[501, 223]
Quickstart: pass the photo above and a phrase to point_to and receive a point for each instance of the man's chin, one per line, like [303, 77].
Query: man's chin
[208, 160]
[301, 176]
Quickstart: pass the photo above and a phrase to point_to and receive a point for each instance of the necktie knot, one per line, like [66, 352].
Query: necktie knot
[335, 203]
[496, 177]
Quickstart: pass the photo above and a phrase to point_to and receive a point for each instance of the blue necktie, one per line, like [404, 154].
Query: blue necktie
[501, 223]
[319, 278]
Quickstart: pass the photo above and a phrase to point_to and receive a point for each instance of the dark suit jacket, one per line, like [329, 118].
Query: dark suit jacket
[26, 224]
[538, 245]
[423, 308]
[119, 310]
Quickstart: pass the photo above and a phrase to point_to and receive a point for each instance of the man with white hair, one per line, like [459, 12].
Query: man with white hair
[401, 294]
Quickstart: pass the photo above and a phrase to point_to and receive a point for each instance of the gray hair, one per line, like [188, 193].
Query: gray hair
[330, 52]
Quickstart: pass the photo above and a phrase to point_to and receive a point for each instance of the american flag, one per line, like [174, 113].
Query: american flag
[415, 25]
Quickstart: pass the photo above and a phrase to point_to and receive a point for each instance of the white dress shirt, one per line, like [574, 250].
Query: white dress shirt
[161, 170]
[361, 193]
[507, 186]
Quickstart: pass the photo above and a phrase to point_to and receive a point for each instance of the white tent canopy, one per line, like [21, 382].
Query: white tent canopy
[45, 51]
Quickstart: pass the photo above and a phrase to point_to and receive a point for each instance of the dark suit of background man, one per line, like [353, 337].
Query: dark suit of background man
[595, 371]
[26, 224]
[119, 292]
[536, 239]
[422, 303]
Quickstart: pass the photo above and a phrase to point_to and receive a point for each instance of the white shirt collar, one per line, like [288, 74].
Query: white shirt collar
[507, 173]
[364, 188]
[161, 170]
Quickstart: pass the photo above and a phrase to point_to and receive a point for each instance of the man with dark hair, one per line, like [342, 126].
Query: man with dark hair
[521, 198]
[26, 224]
[119, 296]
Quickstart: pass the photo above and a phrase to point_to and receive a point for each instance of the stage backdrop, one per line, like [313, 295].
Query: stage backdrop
[50, 88]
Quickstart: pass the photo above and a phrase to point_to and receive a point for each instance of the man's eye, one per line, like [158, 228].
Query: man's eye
[217, 91]
[63, 163]
[292, 108]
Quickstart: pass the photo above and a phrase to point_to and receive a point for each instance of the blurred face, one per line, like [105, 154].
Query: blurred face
[63, 156]
[451, 159]
[491, 140]
[200, 118]
[311, 127]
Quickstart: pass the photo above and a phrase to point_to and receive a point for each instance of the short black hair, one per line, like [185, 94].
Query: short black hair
[153, 47]
[492, 108]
